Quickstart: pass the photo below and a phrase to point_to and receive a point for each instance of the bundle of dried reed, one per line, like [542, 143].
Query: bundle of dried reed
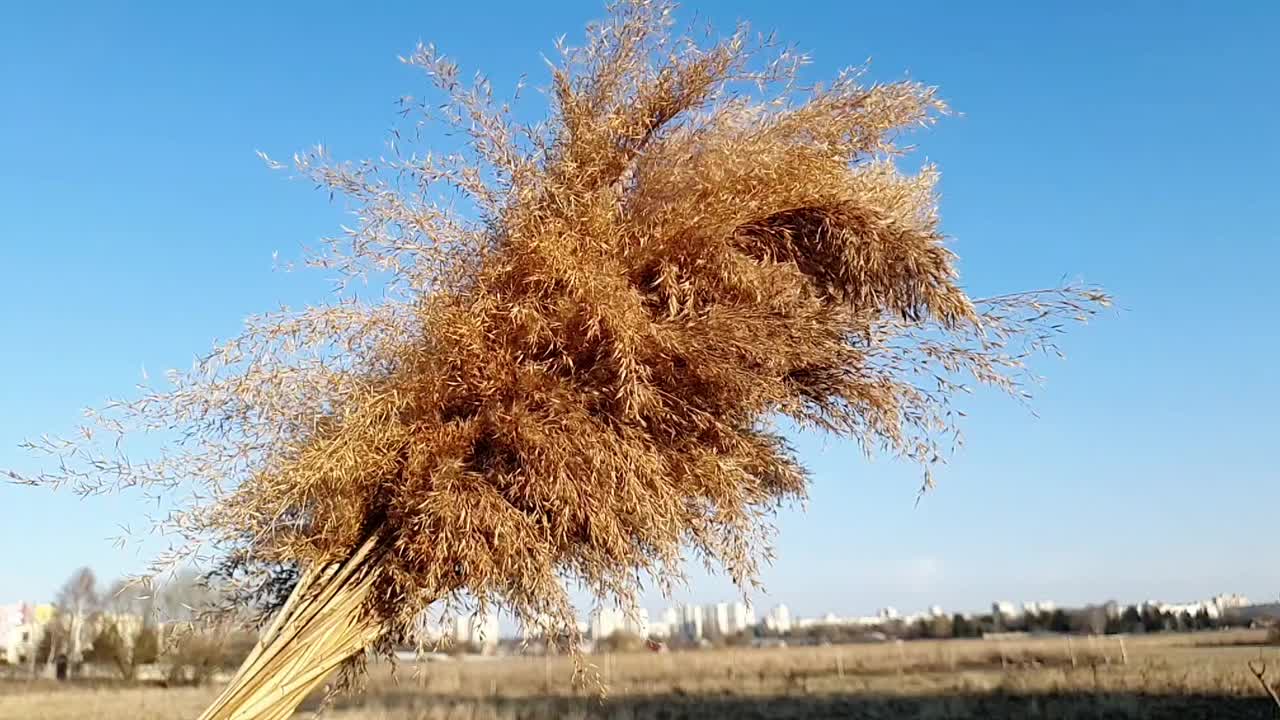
[580, 350]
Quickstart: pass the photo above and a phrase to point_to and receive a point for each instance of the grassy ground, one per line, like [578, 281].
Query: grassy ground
[1178, 676]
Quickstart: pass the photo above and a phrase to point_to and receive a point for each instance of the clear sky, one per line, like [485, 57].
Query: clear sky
[1129, 144]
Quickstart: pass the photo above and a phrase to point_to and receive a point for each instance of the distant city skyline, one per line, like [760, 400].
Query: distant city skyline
[725, 618]
[601, 619]
[23, 623]
[708, 589]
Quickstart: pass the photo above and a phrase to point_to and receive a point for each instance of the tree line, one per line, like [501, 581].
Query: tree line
[1092, 620]
[122, 627]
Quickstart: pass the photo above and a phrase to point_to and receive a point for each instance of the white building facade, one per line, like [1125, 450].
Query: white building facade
[607, 621]
[778, 620]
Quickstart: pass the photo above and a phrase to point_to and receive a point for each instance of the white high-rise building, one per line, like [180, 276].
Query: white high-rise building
[1005, 609]
[1214, 607]
[667, 624]
[539, 627]
[1228, 602]
[637, 622]
[729, 618]
[778, 620]
[605, 621]
[692, 622]
[742, 617]
[716, 619]
[478, 630]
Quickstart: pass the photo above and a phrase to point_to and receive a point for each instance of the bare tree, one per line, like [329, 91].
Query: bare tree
[111, 648]
[124, 597]
[1097, 620]
[76, 600]
[1091, 620]
[185, 598]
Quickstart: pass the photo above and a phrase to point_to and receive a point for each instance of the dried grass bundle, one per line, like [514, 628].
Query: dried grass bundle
[587, 329]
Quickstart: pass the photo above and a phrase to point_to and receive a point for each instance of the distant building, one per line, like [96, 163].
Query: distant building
[728, 618]
[716, 619]
[742, 617]
[833, 620]
[1215, 607]
[22, 625]
[1229, 602]
[19, 642]
[637, 622]
[481, 631]
[539, 627]
[666, 625]
[606, 621]
[778, 620]
[128, 624]
[40, 614]
[12, 615]
[1004, 609]
[692, 622]
[1039, 608]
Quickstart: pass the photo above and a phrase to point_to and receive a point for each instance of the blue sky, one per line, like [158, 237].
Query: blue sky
[1128, 144]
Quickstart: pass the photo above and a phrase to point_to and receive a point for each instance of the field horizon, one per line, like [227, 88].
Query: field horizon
[1176, 675]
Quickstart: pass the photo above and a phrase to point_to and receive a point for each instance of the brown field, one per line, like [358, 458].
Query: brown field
[1203, 675]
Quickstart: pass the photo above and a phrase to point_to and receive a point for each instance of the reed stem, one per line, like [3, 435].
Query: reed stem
[323, 624]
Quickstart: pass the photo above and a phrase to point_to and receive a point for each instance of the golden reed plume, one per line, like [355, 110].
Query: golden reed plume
[584, 334]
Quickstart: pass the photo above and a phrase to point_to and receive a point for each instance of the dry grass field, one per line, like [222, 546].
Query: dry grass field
[1171, 676]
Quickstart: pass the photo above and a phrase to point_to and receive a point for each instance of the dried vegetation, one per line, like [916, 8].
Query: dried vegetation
[583, 336]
